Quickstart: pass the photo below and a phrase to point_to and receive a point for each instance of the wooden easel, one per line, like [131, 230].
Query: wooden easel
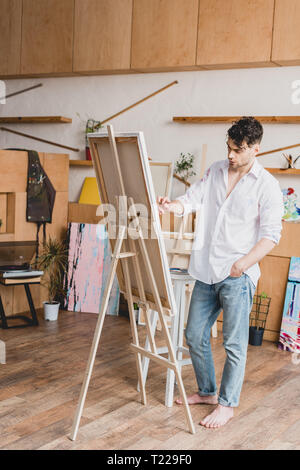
[137, 248]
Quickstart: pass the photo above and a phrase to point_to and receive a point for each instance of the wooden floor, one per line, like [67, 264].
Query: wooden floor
[40, 385]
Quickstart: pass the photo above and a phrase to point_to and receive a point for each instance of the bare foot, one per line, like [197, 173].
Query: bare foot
[220, 416]
[197, 399]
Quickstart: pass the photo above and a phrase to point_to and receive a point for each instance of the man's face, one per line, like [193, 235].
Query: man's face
[240, 156]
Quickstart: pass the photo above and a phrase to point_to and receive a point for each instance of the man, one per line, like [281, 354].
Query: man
[240, 209]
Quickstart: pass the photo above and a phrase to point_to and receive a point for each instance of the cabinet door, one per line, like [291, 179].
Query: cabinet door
[235, 33]
[275, 286]
[286, 37]
[10, 36]
[47, 36]
[164, 33]
[102, 35]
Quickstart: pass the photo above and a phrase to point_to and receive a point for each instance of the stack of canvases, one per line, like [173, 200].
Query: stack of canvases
[89, 259]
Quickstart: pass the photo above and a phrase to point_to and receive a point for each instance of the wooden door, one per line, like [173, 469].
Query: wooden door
[274, 275]
[235, 33]
[10, 37]
[47, 36]
[286, 37]
[164, 33]
[102, 35]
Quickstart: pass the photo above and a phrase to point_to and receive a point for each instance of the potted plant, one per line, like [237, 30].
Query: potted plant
[184, 166]
[53, 261]
[258, 318]
[91, 125]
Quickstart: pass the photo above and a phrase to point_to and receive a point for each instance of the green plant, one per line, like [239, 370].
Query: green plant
[184, 166]
[53, 261]
[92, 126]
[261, 304]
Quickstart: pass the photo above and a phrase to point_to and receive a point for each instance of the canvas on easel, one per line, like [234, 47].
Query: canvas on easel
[138, 252]
[161, 173]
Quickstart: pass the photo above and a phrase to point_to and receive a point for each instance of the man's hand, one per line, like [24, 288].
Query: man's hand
[261, 249]
[163, 204]
[237, 268]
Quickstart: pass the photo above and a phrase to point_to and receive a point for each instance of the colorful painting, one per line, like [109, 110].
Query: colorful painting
[294, 271]
[291, 205]
[289, 339]
[89, 260]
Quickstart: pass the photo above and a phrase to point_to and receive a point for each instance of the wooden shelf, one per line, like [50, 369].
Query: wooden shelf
[229, 119]
[279, 171]
[36, 119]
[80, 163]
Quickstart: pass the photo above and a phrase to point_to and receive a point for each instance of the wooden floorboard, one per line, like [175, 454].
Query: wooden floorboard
[41, 381]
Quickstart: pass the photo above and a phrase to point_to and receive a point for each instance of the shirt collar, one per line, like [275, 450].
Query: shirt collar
[255, 169]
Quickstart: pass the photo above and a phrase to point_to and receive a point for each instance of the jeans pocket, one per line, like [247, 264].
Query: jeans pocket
[253, 286]
[236, 277]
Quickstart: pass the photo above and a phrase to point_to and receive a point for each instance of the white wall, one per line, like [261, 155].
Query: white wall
[265, 91]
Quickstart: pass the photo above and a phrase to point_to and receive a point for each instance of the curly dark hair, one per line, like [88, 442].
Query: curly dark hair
[246, 129]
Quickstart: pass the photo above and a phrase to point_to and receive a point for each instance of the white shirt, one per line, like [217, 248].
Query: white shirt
[228, 229]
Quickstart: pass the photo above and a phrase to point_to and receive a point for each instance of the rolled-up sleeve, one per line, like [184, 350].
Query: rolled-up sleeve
[271, 213]
[192, 199]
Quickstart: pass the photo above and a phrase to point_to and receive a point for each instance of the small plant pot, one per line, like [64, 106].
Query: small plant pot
[256, 335]
[51, 311]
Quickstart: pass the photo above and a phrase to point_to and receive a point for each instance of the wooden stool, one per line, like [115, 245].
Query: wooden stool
[33, 321]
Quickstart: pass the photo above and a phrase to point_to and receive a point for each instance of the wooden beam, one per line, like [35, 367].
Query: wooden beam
[181, 180]
[39, 139]
[21, 91]
[138, 102]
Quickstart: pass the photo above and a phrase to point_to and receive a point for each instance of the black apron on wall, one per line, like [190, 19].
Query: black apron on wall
[40, 195]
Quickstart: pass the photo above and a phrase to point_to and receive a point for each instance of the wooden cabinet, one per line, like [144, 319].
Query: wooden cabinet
[10, 36]
[235, 33]
[286, 37]
[47, 36]
[275, 286]
[164, 34]
[102, 35]
[69, 37]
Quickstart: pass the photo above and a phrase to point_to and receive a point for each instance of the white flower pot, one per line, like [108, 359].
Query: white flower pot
[51, 311]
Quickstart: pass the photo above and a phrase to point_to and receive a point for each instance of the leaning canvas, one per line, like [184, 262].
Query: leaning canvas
[289, 339]
[89, 258]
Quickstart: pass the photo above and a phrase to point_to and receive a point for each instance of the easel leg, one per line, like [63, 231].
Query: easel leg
[97, 335]
[174, 338]
[134, 331]
[146, 360]
[214, 330]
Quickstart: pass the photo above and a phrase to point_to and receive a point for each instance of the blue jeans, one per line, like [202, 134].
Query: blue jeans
[235, 296]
